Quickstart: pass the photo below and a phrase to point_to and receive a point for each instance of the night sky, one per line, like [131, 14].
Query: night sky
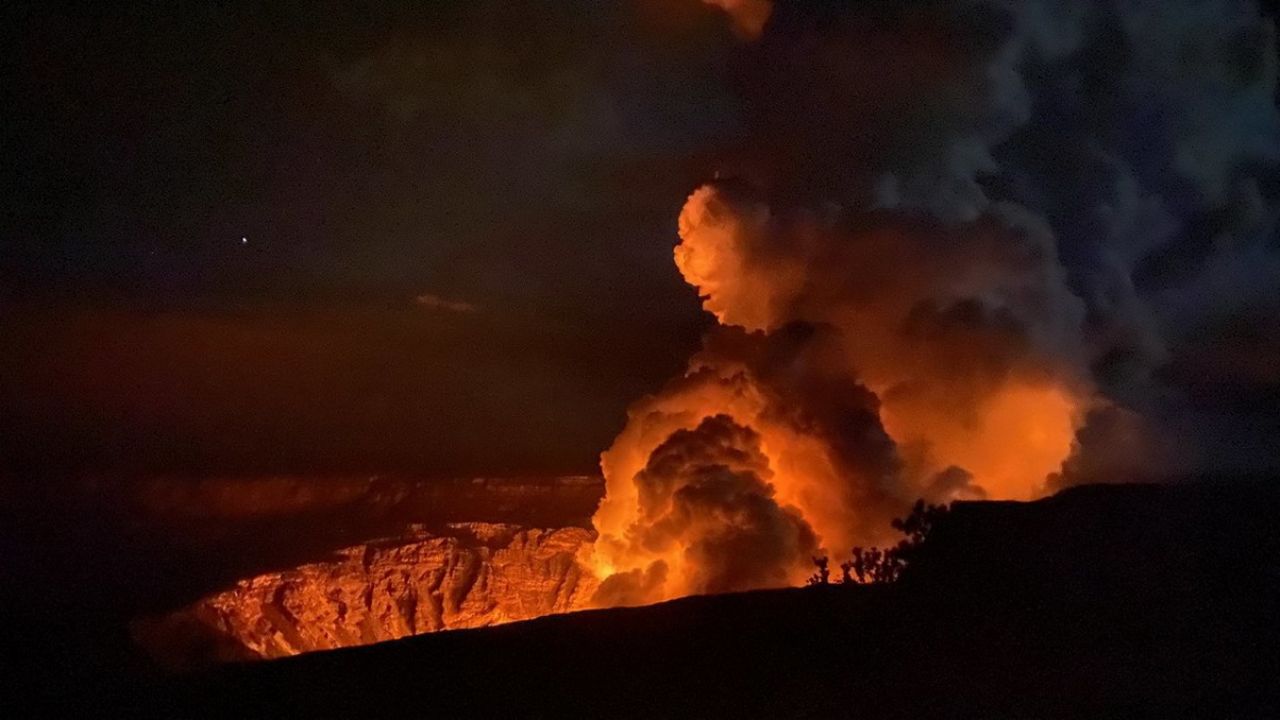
[222, 218]
[435, 238]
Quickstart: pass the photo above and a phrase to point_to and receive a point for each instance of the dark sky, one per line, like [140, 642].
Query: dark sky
[435, 237]
[526, 160]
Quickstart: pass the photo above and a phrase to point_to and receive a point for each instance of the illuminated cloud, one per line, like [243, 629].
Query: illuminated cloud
[962, 250]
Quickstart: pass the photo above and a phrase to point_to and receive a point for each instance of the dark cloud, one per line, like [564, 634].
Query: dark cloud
[1148, 149]
[955, 482]
[1140, 142]
[966, 249]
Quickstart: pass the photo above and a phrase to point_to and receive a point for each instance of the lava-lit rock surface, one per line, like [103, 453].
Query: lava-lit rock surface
[1104, 601]
[464, 575]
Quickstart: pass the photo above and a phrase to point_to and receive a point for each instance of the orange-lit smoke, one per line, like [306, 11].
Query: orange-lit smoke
[860, 361]
[963, 333]
[748, 16]
[885, 332]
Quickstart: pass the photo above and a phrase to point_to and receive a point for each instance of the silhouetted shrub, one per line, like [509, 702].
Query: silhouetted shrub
[823, 575]
[876, 565]
[845, 567]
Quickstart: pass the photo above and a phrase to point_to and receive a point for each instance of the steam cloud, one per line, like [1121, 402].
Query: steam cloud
[706, 492]
[967, 250]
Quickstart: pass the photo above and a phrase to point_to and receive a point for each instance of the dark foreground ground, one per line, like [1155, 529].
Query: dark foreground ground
[82, 558]
[1115, 601]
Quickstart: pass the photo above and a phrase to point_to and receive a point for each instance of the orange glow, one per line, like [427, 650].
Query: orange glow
[934, 329]
[749, 16]
[1019, 435]
[799, 471]
[1022, 434]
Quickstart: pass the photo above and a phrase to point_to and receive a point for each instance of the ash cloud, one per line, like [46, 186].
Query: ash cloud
[960, 329]
[1021, 237]
[1139, 141]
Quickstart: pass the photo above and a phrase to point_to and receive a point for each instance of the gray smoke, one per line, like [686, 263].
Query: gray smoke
[962, 249]
[1140, 139]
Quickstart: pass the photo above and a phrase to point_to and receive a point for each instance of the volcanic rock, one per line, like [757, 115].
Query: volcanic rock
[464, 575]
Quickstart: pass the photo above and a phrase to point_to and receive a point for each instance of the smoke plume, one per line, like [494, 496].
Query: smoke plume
[971, 249]
[708, 519]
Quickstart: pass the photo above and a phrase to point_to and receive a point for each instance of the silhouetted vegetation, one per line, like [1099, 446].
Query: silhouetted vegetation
[823, 575]
[874, 565]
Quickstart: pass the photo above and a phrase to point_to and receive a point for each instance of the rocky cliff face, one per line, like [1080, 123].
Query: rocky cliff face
[465, 575]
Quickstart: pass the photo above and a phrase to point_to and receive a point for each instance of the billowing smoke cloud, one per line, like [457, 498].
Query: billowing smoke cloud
[966, 331]
[705, 494]
[1153, 151]
[971, 249]
[819, 464]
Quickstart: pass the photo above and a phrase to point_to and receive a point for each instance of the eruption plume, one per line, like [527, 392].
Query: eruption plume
[708, 520]
[907, 305]
[878, 357]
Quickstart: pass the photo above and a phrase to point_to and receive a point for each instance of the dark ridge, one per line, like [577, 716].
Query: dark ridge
[1121, 600]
